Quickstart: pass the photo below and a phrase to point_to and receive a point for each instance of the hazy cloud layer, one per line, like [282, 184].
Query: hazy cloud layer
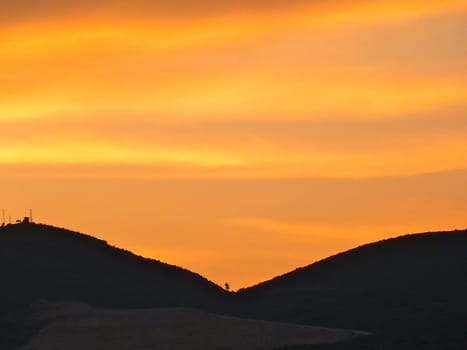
[174, 8]
[330, 133]
[21, 10]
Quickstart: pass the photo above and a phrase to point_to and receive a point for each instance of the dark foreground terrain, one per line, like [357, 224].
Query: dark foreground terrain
[409, 292]
[75, 326]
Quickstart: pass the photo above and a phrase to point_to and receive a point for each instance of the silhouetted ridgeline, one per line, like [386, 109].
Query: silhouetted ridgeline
[44, 262]
[411, 291]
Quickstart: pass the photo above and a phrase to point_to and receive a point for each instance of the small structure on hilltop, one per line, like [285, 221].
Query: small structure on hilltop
[25, 220]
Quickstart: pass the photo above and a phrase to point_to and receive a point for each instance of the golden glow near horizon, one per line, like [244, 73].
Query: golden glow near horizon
[221, 92]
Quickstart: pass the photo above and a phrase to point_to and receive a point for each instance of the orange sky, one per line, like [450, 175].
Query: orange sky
[238, 139]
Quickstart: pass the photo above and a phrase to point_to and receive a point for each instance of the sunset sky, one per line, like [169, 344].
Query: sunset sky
[239, 139]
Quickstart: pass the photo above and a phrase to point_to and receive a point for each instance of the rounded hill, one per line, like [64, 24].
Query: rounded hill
[40, 262]
[409, 291]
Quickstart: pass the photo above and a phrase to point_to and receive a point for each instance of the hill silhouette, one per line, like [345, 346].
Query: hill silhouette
[410, 291]
[45, 262]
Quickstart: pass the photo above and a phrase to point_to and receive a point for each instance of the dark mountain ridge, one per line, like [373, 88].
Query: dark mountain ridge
[40, 261]
[394, 259]
[44, 262]
[411, 291]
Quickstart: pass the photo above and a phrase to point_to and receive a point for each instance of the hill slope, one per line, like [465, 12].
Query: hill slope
[411, 291]
[44, 262]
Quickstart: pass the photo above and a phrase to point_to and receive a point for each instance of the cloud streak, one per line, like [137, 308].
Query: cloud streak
[21, 10]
